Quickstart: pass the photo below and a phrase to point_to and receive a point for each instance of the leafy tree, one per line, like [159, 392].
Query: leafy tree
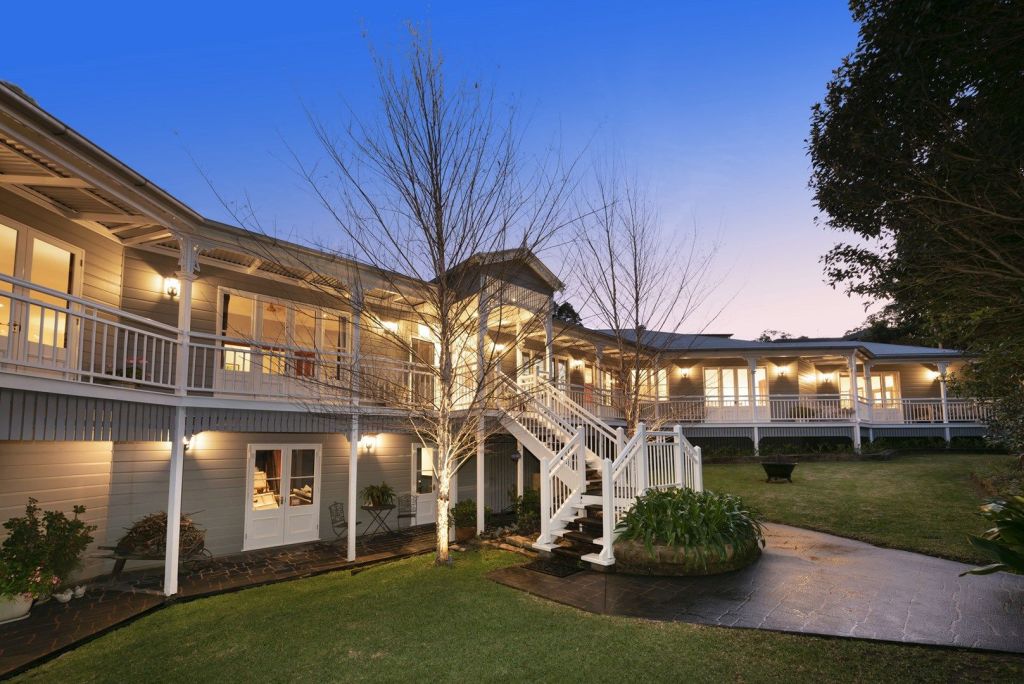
[567, 314]
[917, 151]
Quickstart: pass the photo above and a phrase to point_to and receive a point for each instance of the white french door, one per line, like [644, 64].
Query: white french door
[282, 495]
[38, 333]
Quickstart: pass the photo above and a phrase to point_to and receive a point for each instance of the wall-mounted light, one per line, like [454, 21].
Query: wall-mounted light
[172, 287]
[934, 375]
[576, 363]
[423, 331]
[781, 370]
[825, 377]
[186, 442]
[498, 347]
[368, 443]
[391, 326]
[684, 372]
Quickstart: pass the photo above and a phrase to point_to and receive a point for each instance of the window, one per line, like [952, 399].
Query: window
[8, 244]
[885, 388]
[730, 386]
[53, 268]
[238, 323]
[423, 470]
[285, 337]
[652, 384]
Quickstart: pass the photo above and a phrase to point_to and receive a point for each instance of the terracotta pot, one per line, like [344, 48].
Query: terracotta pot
[464, 534]
[14, 607]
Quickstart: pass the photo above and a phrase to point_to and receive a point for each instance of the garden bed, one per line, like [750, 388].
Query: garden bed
[633, 558]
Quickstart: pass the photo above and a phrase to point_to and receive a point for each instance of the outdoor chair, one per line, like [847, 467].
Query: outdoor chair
[407, 508]
[339, 524]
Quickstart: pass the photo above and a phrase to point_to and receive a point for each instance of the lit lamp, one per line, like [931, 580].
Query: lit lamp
[368, 443]
[172, 287]
[934, 375]
[684, 372]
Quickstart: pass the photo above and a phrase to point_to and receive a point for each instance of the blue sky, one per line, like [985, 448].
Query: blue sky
[709, 102]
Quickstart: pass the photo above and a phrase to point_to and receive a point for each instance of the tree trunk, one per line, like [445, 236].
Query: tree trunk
[443, 503]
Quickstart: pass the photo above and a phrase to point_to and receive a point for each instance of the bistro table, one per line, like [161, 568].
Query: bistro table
[378, 520]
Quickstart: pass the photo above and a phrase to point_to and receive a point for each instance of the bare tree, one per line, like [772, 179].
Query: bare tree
[638, 282]
[438, 197]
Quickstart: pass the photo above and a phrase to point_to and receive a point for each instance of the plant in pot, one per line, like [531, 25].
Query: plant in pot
[378, 496]
[38, 557]
[464, 519]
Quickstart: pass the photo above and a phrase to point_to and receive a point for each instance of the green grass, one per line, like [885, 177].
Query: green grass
[922, 503]
[411, 621]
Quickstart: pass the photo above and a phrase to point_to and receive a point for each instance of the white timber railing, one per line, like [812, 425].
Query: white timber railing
[52, 334]
[562, 480]
[649, 460]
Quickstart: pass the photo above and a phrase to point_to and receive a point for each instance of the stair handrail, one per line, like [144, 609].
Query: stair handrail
[565, 400]
[538, 406]
[567, 466]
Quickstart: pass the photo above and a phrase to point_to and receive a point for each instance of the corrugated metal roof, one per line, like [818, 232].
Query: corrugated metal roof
[683, 342]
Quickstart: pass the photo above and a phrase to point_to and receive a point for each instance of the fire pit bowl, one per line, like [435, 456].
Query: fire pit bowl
[778, 472]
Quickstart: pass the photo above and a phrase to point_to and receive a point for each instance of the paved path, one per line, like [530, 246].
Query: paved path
[814, 583]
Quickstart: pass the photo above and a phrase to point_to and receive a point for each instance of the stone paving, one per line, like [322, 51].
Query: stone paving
[814, 583]
[53, 627]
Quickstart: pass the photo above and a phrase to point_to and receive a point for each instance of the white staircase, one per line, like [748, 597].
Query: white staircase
[590, 475]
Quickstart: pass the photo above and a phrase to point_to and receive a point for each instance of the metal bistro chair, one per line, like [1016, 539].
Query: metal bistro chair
[406, 508]
[338, 522]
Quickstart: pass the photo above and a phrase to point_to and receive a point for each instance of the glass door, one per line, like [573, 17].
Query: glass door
[40, 332]
[423, 484]
[282, 495]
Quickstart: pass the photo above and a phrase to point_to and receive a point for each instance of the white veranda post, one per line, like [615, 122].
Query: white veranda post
[171, 549]
[853, 401]
[353, 488]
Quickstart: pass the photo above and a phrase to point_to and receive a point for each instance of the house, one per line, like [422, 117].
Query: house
[152, 359]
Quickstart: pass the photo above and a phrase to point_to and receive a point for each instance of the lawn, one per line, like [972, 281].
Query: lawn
[411, 621]
[924, 503]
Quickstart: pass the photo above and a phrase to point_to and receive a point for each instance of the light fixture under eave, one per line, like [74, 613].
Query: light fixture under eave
[934, 375]
[391, 326]
[172, 287]
[368, 443]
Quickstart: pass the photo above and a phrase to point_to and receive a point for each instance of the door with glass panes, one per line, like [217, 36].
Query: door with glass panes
[38, 332]
[282, 495]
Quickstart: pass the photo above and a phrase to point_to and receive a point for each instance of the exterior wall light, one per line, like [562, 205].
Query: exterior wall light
[934, 375]
[172, 287]
[368, 443]
[684, 372]
[391, 326]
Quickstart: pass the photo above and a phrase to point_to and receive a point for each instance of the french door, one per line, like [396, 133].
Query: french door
[38, 333]
[282, 495]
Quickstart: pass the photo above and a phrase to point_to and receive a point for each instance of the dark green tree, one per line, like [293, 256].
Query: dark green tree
[567, 314]
[917, 151]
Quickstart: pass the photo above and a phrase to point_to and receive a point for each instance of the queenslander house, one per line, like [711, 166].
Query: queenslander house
[152, 359]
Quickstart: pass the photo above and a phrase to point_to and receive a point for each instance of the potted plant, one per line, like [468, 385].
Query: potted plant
[464, 519]
[38, 557]
[378, 496]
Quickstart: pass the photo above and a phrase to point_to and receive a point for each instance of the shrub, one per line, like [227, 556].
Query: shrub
[704, 521]
[41, 552]
[527, 510]
[464, 513]
[1005, 541]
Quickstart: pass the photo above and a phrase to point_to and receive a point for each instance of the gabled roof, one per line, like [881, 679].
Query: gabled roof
[522, 255]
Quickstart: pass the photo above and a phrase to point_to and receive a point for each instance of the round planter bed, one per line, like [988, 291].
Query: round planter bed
[633, 558]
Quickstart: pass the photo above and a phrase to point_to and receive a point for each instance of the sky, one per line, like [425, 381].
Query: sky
[709, 103]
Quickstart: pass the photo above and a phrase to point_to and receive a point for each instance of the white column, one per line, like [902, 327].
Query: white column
[641, 431]
[188, 262]
[357, 315]
[549, 341]
[519, 349]
[853, 401]
[481, 454]
[520, 469]
[353, 488]
[752, 393]
[943, 368]
[869, 390]
[174, 503]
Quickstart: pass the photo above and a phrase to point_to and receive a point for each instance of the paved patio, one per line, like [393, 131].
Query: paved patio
[54, 627]
[814, 583]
